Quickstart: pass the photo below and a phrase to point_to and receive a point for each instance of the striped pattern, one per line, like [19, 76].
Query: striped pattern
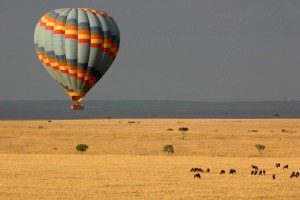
[76, 46]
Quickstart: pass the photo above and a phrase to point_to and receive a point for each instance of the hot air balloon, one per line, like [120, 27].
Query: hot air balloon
[76, 46]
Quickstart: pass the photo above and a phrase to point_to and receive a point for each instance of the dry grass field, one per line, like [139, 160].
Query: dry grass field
[38, 159]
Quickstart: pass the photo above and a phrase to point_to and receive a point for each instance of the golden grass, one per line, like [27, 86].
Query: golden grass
[125, 160]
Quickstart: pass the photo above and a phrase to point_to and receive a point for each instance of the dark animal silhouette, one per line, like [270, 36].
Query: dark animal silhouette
[277, 165]
[260, 172]
[197, 176]
[255, 172]
[196, 170]
[293, 175]
[208, 170]
[232, 171]
[264, 172]
[274, 177]
[254, 167]
[222, 171]
[285, 167]
[252, 172]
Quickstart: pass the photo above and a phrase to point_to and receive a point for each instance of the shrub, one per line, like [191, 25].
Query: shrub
[82, 147]
[260, 148]
[183, 130]
[169, 149]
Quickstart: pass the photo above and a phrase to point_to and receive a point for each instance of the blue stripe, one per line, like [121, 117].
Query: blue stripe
[72, 20]
[82, 64]
[50, 53]
[72, 60]
[60, 57]
[84, 24]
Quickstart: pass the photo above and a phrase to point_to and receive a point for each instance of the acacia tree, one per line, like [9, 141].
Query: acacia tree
[169, 149]
[82, 147]
[260, 148]
[183, 131]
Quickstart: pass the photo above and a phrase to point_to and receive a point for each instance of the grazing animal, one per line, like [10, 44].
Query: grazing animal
[196, 170]
[222, 171]
[285, 167]
[252, 172]
[260, 172]
[293, 175]
[274, 177]
[197, 176]
[255, 172]
[208, 170]
[254, 167]
[232, 171]
[277, 165]
[264, 172]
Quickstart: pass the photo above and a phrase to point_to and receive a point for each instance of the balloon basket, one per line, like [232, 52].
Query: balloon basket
[77, 106]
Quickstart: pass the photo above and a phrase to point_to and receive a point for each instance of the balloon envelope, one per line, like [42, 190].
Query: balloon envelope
[76, 46]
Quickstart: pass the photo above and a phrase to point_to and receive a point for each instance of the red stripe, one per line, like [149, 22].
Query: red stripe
[59, 32]
[81, 71]
[72, 68]
[55, 68]
[96, 36]
[65, 71]
[73, 75]
[84, 32]
[96, 45]
[71, 27]
[83, 40]
[69, 36]
[62, 63]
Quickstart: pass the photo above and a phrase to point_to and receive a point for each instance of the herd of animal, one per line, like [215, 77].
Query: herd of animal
[255, 171]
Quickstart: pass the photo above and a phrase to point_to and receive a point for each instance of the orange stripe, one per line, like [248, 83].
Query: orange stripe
[83, 41]
[84, 32]
[96, 36]
[69, 36]
[71, 27]
[72, 68]
[59, 32]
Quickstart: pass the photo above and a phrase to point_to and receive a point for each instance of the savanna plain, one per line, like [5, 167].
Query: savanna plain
[38, 159]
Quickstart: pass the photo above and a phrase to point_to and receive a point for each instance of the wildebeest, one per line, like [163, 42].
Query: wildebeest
[260, 172]
[232, 171]
[264, 172]
[277, 165]
[285, 167]
[222, 171]
[197, 176]
[252, 172]
[207, 170]
[254, 167]
[255, 172]
[294, 174]
[273, 176]
[196, 170]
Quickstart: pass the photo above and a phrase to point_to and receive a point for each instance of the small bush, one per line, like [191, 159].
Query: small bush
[260, 148]
[82, 147]
[169, 129]
[169, 149]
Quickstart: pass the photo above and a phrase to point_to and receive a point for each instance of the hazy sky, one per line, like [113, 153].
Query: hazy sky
[200, 50]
